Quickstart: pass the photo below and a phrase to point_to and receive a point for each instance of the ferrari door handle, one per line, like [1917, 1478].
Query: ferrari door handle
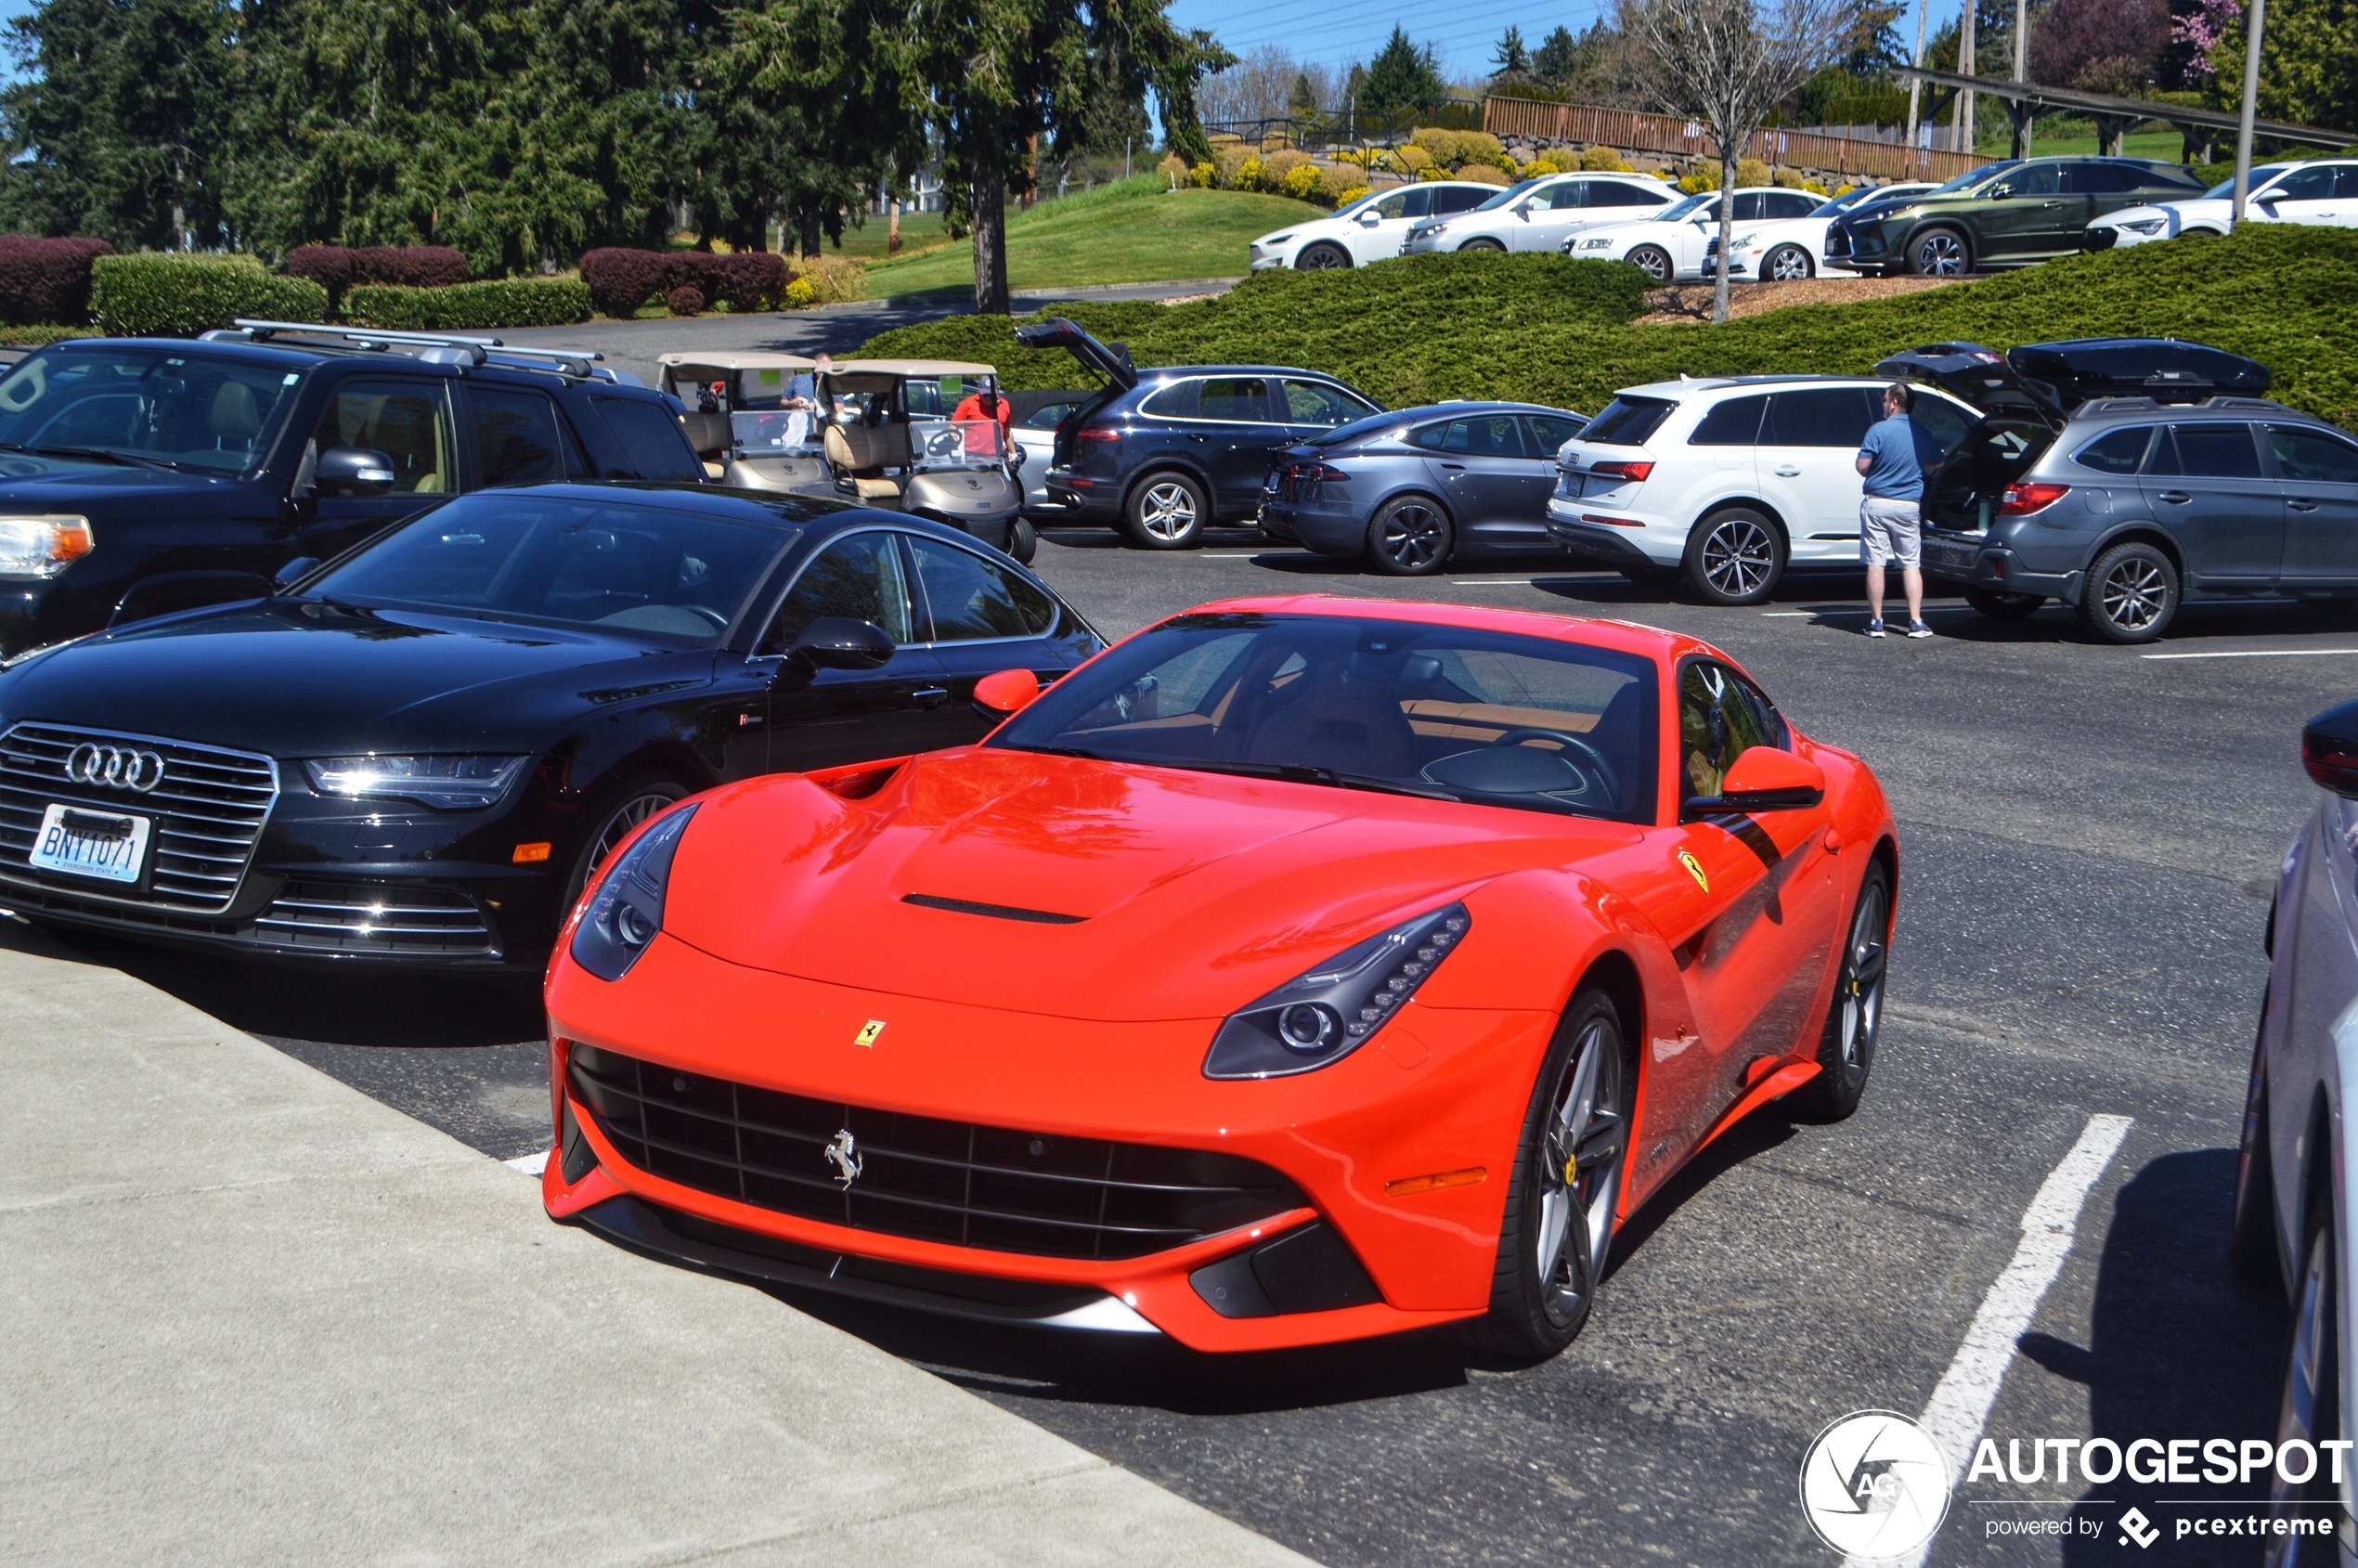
[1788, 473]
[2176, 497]
[2303, 505]
[933, 696]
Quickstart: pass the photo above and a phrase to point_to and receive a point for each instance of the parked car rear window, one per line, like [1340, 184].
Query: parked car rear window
[1550, 433]
[1457, 199]
[2208, 452]
[1176, 401]
[1481, 435]
[1821, 416]
[1735, 422]
[1627, 422]
[1620, 194]
[652, 445]
[2116, 452]
[2302, 453]
[517, 441]
[2097, 179]
[1310, 402]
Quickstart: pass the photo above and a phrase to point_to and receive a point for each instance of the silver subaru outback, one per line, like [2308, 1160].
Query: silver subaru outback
[2126, 476]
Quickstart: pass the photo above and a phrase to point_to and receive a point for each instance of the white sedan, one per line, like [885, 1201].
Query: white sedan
[2322, 190]
[1538, 214]
[1669, 247]
[1371, 229]
[1788, 250]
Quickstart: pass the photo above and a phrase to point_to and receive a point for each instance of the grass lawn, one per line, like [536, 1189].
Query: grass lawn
[1128, 232]
[919, 232]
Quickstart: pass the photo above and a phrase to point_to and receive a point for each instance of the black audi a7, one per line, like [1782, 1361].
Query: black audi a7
[414, 755]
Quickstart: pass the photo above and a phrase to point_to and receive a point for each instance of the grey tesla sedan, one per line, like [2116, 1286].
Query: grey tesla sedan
[2293, 1217]
[1406, 490]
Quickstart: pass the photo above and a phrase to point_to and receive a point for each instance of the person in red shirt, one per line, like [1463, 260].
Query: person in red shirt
[984, 403]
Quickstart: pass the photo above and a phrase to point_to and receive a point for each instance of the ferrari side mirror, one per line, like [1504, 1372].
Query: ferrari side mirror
[1009, 690]
[832, 642]
[1767, 779]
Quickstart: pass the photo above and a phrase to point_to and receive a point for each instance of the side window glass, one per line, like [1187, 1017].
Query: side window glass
[1313, 403]
[1571, 194]
[1456, 199]
[648, 440]
[860, 576]
[1748, 205]
[1941, 427]
[1720, 719]
[2304, 184]
[1548, 434]
[2116, 452]
[1494, 436]
[1823, 416]
[1419, 203]
[410, 421]
[2216, 451]
[1176, 401]
[1735, 422]
[1233, 397]
[516, 436]
[2302, 453]
[1795, 204]
[971, 597]
[2346, 183]
[1394, 206]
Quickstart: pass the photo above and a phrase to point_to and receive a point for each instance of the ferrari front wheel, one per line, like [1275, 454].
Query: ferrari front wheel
[1847, 1048]
[1565, 1187]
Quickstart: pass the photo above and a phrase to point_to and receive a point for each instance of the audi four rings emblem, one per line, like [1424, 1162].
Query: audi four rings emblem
[114, 767]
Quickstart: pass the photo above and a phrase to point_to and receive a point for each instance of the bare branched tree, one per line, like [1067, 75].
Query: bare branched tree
[1725, 64]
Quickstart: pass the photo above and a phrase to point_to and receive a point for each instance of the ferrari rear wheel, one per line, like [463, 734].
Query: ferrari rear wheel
[1846, 1050]
[1565, 1187]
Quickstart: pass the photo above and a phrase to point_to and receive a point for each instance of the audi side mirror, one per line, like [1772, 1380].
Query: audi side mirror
[2330, 749]
[354, 471]
[832, 642]
[1766, 778]
[1009, 690]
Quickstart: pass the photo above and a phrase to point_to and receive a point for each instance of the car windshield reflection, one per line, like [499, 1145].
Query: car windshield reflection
[642, 568]
[1402, 708]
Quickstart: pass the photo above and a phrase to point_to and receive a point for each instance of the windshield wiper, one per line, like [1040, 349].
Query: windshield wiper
[105, 454]
[1297, 772]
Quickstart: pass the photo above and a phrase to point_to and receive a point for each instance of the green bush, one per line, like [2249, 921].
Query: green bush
[155, 295]
[509, 301]
[1558, 332]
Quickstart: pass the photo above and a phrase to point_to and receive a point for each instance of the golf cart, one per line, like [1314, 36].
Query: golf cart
[886, 430]
[739, 420]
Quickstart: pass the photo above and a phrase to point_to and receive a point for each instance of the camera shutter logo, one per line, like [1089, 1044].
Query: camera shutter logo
[114, 767]
[1874, 1484]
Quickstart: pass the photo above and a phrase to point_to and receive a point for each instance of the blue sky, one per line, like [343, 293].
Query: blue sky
[1338, 31]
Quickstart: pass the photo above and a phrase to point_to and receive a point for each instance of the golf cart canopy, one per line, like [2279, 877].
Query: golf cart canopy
[878, 375]
[1110, 361]
[748, 380]
[2047, 381]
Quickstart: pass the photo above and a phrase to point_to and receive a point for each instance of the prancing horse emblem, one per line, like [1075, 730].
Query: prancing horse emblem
[1694, 869]
[843, 1153]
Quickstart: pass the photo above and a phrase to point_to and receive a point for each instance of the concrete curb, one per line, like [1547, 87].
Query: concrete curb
[258, 1318]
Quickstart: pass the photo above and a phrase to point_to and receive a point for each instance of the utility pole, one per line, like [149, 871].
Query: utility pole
[1127, 143]
[2251, 98]
[1917, 60]
[2022, 73]
[1966, 68]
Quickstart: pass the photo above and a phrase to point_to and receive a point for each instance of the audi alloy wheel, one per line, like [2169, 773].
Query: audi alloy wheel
[1652, 260]
[1735, 557]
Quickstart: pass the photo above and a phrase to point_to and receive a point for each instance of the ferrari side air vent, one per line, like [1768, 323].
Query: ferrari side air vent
[994, 911]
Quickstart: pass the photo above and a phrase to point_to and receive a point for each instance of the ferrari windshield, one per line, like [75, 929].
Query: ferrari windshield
[629, 565]
[1455, 713]
[145, 406]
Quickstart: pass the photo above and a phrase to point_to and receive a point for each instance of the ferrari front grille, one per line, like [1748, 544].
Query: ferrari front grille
[956, 1181]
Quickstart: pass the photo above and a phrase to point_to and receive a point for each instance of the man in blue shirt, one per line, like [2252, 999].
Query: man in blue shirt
[803, 391]
[1890, 516]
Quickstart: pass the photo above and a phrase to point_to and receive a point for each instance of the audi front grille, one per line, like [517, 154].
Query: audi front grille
[954, 1181]
[209, 807]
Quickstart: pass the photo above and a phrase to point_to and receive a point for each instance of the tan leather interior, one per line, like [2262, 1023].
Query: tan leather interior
[234, 415]
[867, 446]
[1351, 726]
[876, 489]
[707, 433]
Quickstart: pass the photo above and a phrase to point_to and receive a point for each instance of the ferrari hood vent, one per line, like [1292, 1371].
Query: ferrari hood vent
[994, 911]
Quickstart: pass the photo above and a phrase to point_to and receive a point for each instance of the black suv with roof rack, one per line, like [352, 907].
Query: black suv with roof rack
[144, 476]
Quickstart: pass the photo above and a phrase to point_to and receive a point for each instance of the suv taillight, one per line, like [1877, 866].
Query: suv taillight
[1633, 471]
[1097, 433]
[1313, 472]
[2029, 496]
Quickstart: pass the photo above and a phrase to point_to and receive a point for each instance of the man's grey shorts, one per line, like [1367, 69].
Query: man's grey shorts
[1889, 530]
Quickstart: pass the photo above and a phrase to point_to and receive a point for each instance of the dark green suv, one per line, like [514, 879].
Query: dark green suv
[2008, 214]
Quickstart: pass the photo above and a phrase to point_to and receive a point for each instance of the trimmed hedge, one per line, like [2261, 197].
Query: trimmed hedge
[1557, 331]
[621, 280]
[336, 268]
[47, 282]
[168, 295]
[499, 301]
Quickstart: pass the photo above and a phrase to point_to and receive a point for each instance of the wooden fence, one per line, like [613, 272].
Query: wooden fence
[1634, 132]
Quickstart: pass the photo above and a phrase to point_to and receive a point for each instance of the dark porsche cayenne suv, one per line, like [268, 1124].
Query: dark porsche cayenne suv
[1163, 453]
[416, 755]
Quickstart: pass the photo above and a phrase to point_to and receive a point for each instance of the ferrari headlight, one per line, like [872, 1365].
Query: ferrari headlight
[446, 783]
[626, 909]
[1596, 244]
[41, 547]
[1322, 1015]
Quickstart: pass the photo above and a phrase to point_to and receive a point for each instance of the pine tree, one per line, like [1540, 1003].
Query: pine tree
[1511, 57]
[1403, 80]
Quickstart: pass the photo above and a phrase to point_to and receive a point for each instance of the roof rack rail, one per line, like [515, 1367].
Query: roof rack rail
[575, 362]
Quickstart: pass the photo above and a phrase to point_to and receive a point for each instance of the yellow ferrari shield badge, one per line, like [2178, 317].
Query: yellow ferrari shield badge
[1694, 869]
[868, 1032]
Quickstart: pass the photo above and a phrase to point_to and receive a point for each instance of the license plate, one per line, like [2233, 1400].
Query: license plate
[104, 845]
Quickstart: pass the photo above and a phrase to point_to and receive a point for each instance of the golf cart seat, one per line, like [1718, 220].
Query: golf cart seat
[707, 433]
[864, 451]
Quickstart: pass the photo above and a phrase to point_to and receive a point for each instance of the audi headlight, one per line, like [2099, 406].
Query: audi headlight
[1596, 244]
[446, 783]
[626, 910]
[41, 547]
[1323, 1015]
[2145, 226]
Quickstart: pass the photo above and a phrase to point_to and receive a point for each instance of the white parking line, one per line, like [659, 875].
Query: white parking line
[1960, 1405]
[1232, 555]
[1793, 614]
[2257, 653]
[1491, 582]
[530, 1164]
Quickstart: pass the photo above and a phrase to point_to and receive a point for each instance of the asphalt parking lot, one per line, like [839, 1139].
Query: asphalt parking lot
[2090, 837]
